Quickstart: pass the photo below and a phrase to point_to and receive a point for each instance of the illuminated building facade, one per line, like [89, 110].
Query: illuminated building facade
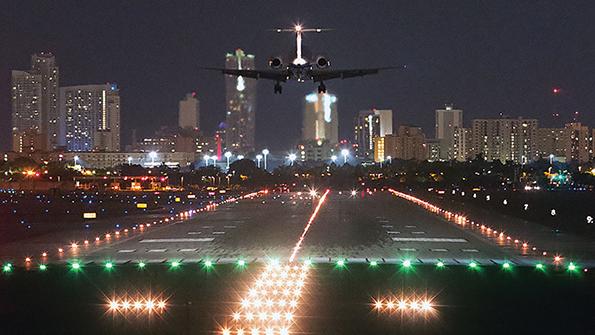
[506, 139]
[91, 117]
[44, 64]
[188, 112]
[578, 145]
[320, 120]
[240, 104]
[27, 133]
[409, 144]
[463, 144]
[447, 120]
[368, 125]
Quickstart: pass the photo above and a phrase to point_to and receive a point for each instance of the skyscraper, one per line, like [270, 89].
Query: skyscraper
[26, 112]
[35, 114]
[320, 120]
[506, 139]
[241, 104]
[368, 125]
[92, 117]
[188, 112]
[44, 64]
[447, 120]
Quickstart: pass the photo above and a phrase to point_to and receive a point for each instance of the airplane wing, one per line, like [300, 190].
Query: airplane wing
[321, 75]
[255, 74]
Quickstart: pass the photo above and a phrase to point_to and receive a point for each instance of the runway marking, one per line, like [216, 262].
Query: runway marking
[439, 250]
[387, 226]
[126, 250]
[176, 240]
[383, 221]
[157, 250]
[393, 232]
[418, 232]
[218, 233]
[194, 232]
[187, 250]
[229, 227]
[469, 250]
[207, 227]
[429, 239]
[407, 249]
[410, 226]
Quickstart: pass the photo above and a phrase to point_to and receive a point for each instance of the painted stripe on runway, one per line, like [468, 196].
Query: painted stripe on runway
[176, 240]
[393, 232]
[429, 239]
[229, 227]
[387, 226]
[194, 232]
[218, 233]
[126, 250]
[157, 250]
[418, 232]
[410, 226]
[439, 250]
[187, 250]
[407, 249]
[469, 250]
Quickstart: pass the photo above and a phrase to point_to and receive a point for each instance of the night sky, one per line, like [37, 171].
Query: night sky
[487, 57]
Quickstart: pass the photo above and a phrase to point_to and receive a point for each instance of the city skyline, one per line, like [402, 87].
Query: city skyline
[507, 86]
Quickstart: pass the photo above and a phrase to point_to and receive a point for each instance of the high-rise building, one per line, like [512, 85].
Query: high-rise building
[552, 141]
[447, 119]
[410, 144]
[188, 112]
[368, 125]
[241, 104]
[44, 64]
[463, 144]
[316, 150]
[27, 133]
[91, 117]
[35, 114]
[320, 120]
[506, 139]
[579, 146]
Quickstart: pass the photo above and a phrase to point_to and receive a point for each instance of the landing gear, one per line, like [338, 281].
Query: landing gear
[278, 88]
[321, 88]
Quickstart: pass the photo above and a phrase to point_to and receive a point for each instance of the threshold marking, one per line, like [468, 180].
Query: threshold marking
[177, 240]
[126, 250]
[429, 239]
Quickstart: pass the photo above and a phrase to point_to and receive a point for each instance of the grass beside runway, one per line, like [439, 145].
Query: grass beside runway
[337, 299]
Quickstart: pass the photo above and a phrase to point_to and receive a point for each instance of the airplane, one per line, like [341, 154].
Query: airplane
[301, 68]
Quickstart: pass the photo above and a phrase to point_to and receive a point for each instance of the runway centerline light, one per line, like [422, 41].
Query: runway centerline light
[539, 266]
[473, 265]
[141, 265]
[506, 266]
[109, 265]
[208, 264]
[407, 263]
[43, 267]
[341, 263]
[373, 263]
[241, 263]
[440, 264]
[571, 267]
[75, 266]
[7, 267]
[175, 264]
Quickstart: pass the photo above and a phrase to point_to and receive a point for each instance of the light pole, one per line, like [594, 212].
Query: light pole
[292, 158]
[258, 159]
[129, 160]
[551, 159]
[334, 158]
[76, 158]
[214, 158]
[265, 152]
[227, 156]
[152, 155]
[206, 158]
[240, 157]
[389, 159]
[345, 154]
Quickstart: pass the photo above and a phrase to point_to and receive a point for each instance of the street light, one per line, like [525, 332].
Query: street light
[129, 160]
[345, 153]
[292, 158]
[240, 157]
[265, 152]
[76, 158]
[551, 159]
[206, 158]
[227, 156]
[334, 158]
[258, 159]
[389, 159]
[214, 158]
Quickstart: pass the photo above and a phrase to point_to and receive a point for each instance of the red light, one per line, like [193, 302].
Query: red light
[556, 90]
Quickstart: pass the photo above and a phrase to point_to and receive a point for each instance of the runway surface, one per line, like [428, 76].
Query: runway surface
[361, 228]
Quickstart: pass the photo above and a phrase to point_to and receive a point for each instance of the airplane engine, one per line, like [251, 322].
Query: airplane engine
[275, 63]
[322, 62]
